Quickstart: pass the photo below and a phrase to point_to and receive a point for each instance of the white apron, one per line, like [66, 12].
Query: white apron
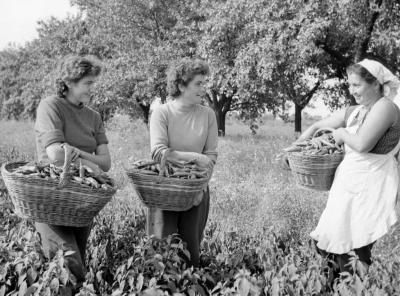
[362, 200]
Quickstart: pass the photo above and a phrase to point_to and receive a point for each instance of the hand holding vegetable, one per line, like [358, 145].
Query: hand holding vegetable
[323, 142]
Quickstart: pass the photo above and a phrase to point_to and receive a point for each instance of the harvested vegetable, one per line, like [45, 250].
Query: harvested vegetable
[171, 169]
[320, 145]
[77, 173]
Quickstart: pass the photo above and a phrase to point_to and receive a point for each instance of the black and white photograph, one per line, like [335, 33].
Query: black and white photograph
[199, 147]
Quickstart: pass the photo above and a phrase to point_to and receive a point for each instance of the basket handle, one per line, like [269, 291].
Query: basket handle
[65, 175]
[328, 129]
[163, 163]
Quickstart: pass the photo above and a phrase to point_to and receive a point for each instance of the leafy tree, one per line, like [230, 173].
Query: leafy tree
[262, 53]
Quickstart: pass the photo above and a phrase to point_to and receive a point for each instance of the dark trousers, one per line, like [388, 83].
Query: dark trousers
[343, 260]
[75, 239]
[188, 224]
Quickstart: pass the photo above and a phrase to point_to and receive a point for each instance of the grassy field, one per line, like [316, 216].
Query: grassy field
[251, 197]
[250, 193]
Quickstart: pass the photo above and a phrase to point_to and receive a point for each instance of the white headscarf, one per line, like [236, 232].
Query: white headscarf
[386, 78]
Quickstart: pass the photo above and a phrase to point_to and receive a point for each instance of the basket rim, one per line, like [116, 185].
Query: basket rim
[300, 153]
[50, 182]
[159, 178]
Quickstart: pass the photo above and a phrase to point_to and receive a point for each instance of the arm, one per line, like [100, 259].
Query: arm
[101, 158]
[210, 148]
[335, 121]
[49, 126]
[381, 117]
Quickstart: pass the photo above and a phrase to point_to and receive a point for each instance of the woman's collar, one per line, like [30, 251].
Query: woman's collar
[69, 103]
[180, 105]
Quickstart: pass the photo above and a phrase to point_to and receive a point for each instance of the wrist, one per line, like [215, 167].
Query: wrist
[80, 153]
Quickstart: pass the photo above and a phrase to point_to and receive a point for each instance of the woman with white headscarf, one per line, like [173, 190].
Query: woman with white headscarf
[362, 199]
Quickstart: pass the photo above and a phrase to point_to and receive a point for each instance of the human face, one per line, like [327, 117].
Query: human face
[195, 90]
[363, 92]
[80, 91]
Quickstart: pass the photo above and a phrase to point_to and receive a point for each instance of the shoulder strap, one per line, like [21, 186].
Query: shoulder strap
[353, 117]
[349, 111]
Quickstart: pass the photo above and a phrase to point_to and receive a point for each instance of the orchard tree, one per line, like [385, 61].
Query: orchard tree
[223, 37]
[299, 46]
[147, 36]
[342, 32]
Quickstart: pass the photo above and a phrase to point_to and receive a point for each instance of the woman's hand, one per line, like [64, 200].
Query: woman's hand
[203, 161]
[285, 162]
[91, 167]
[338, 135]
[75, 152]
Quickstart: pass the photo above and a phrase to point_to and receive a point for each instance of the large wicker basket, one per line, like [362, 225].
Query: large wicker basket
[42, 201]
[166, 193]
[314, 171]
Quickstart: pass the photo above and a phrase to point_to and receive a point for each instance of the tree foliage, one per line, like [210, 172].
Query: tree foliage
[262, 54]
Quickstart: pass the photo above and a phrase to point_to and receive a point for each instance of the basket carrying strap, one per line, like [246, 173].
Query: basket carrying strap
[65, 175]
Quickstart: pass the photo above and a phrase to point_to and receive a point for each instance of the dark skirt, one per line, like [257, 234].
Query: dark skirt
[188, 224]
[54, 238]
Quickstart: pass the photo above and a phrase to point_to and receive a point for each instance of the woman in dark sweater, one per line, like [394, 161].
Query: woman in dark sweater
[65, 119]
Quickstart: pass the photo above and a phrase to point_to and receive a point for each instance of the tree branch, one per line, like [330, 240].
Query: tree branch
[215, 99]
[227, 105]
[363, 47]
[209, 101]
[307, 98]
[332, 52]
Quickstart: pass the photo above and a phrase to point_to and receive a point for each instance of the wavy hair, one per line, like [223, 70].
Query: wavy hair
[182, 72]
[72, 69]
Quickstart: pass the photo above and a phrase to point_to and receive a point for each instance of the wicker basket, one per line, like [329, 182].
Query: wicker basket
[315, 171]
[42, 201]
[171, 194]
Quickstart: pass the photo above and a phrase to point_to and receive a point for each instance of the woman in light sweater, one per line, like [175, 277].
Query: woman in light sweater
[189, 130]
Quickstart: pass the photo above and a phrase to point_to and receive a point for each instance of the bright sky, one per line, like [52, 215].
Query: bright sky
[18, 18]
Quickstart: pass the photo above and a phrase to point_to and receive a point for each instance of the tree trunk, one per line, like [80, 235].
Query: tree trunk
[300, 104]
[297, 118]
[221, 104]
[220, 122]
[146, 111]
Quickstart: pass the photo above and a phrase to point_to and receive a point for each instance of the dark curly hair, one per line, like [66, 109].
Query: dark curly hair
[182, 72]
[72, 69]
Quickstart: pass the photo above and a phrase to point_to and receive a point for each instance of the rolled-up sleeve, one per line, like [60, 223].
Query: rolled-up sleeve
[211, 146]
[49, 124]
[100, 135]
[158, 133]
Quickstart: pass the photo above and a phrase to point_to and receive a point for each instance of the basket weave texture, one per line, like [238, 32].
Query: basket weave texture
[314, 171]
[42, 200]
[171, 194]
